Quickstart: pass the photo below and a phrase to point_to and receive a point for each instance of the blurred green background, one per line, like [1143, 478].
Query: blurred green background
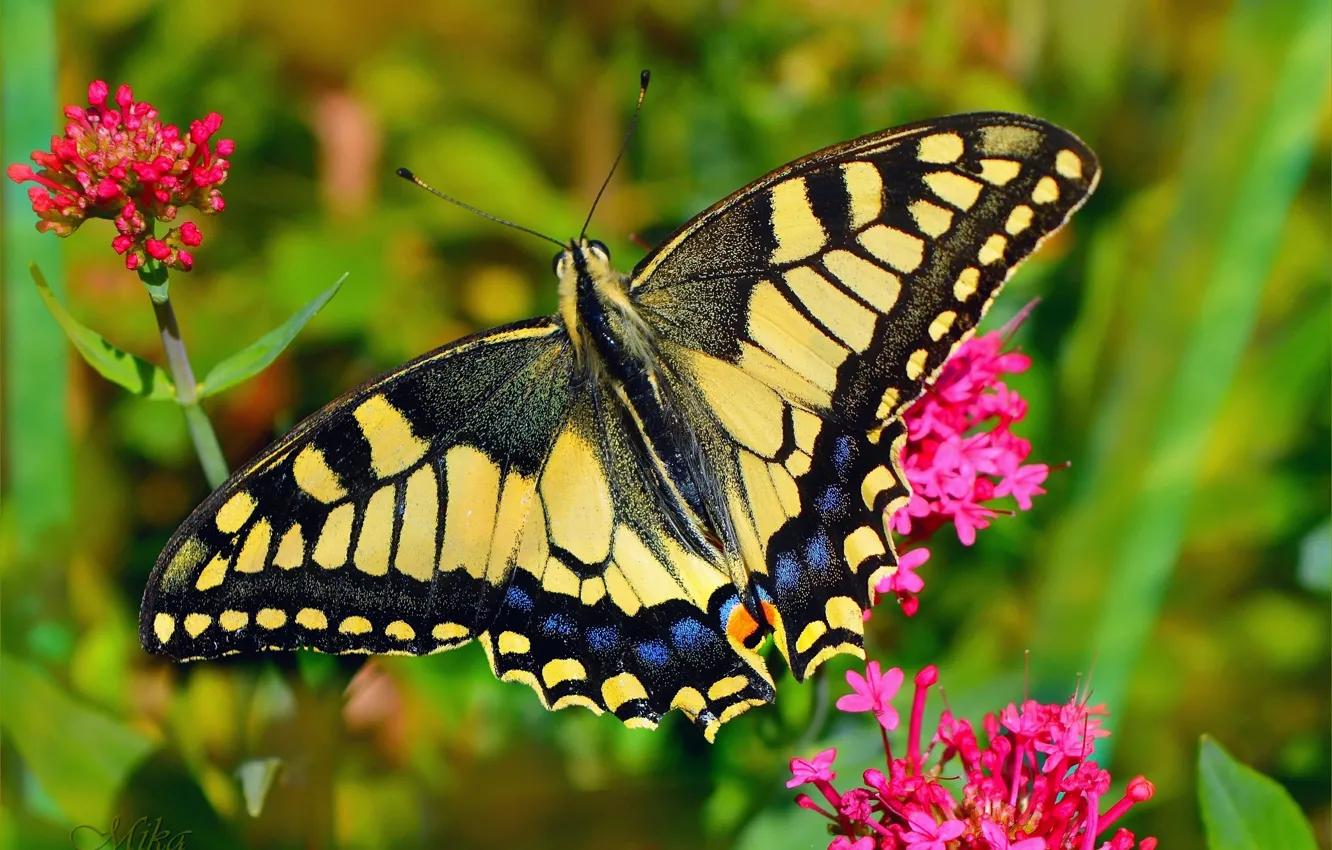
[1181, 355]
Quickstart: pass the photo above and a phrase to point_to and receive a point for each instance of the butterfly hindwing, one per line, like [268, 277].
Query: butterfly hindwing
[842, 282]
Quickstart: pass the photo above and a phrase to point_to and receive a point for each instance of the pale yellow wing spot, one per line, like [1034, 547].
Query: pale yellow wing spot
[164, 626]
[723, 688]
[689, 700]
[915, 365]
[961, 192]
[941, 324]
[315, 477]
[1018, 220]
[593, 590]
[878, 480]
[864, 186]
[577, 499]
[254, 554]
[999, 172]
[894, 247]
[850, 322]
[354, 625]
[376, 540]
[562, 670]
[842, 612]
[233, 621]
[212, 575]
[512, 643]
[1009, 138]
[940, 148]
[810, 635]
[861, 544]
[393, 447]
[196, 623]
[1046, 191]
[271, 618]
[449, 631]
[232, 515]
[473, 482]
[621, 688]
[291, 550]
[993, 250]
[399, 630]
[640, 723]
[312, 619]
[419, 538]
[330, 551]
[1069, 165]
[557, 578]
[931, 219]
[887, 404]
[698, 578]
[968, 281]
[873, 284]
[807, 428]
[797, 231]
[570, 700]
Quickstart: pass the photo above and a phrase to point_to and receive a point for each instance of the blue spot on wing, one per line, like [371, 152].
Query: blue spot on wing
[844, 454]
[832, 502]
[518, 598]
[818, 550]
[653, 652]
[559, 624]
[786, 572]
[690, 635]
[603, 638]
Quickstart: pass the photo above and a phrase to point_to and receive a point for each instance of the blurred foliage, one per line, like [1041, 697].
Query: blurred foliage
[1217, 622]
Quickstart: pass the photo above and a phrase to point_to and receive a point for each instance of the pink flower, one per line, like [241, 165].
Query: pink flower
[997, 836]
[873, 692]
[928, 834]
[815, 770]
[841, 842]
[120, 162]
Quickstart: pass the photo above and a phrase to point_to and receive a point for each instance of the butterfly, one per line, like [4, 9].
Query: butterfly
[622, 500]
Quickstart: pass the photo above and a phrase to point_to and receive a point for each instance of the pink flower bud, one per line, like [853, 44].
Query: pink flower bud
[157, 249]
[124, 96]
[190, 235]
[97, 91]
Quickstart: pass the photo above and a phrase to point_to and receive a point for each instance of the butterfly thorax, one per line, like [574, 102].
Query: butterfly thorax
[616, 349]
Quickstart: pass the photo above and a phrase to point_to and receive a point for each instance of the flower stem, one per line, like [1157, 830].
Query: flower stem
[206, 446]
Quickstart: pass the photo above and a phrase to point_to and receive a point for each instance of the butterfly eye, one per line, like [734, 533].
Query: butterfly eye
[555, 263]
[599, 247]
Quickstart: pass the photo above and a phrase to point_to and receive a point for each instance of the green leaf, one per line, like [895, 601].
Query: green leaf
[119, 367]
[1243, 809]
[78, 754]
[252, 360]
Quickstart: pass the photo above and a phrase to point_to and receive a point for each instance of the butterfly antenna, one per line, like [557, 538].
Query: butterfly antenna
[633, 122]
[406, 174]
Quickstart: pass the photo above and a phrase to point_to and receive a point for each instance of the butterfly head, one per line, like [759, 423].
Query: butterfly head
[588, 255]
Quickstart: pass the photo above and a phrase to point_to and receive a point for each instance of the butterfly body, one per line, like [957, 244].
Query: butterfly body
[620, 501]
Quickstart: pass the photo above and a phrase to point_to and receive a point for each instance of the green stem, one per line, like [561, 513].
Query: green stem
[206, 446]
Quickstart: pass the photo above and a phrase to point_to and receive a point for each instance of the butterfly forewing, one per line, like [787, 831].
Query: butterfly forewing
[841, 283]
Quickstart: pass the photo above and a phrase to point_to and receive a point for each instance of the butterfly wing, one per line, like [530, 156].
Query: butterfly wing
[811, 308]
[481, 492]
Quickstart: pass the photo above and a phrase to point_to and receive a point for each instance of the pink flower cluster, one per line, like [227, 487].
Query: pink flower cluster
[1032, 786]
[960, 454]
[961, 451]
[125, 165]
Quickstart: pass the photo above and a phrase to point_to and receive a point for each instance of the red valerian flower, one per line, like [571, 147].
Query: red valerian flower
[118, 161]
[961, 455]
[957, 793]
